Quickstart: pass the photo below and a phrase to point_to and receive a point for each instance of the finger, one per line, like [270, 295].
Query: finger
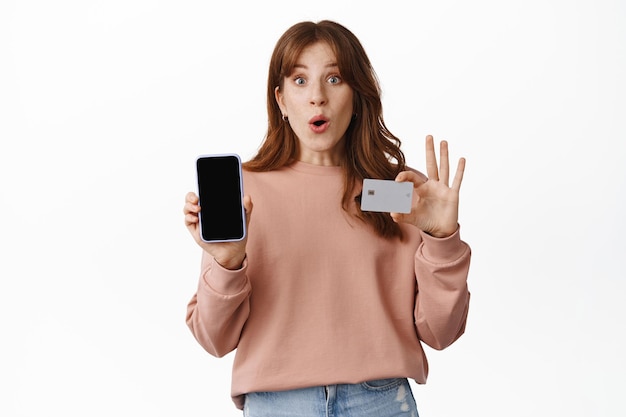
[409, 176]
[191, 208]
[444, 164]
[247, 205]
[191, 198]
[458, 177]
[403, 176]
[191, 219]
[396, 217]
[431, 159]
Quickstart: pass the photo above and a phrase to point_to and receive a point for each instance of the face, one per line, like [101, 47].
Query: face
[318, 104]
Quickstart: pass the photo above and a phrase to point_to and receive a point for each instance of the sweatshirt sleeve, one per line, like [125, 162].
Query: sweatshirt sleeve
[442, 299]
[218, 311]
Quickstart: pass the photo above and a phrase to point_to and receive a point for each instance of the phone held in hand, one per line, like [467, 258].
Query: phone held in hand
[386, 196]
[220, 190]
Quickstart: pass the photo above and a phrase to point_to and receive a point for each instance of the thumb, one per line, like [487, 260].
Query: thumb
[409, 176]
[248, 206]
[396, 217]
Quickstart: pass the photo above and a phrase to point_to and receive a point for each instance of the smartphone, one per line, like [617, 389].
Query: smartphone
[220, 189]
[386, 196]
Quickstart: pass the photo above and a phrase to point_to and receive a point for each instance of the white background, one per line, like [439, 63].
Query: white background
[105, 104]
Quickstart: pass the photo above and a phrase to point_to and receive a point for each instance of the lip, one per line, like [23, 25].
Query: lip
[319, 123]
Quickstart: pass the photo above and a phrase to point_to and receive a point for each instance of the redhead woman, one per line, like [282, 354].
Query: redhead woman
[328, 306]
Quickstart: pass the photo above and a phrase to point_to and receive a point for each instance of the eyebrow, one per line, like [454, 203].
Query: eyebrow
[330, 65]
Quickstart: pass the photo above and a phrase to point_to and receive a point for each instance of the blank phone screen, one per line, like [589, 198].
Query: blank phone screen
[222, 216]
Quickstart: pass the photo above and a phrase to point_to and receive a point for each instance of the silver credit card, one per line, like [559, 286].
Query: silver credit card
[386, 196]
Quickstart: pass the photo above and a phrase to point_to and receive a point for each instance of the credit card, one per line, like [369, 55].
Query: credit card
[386, 196]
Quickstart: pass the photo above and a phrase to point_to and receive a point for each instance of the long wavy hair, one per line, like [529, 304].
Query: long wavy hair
[371, 150]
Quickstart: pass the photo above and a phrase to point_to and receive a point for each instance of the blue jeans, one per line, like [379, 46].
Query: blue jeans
[380, 398]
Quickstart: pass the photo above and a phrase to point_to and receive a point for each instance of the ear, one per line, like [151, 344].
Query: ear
[279, 100]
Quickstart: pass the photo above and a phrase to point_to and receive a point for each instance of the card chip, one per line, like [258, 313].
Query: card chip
[371, 192]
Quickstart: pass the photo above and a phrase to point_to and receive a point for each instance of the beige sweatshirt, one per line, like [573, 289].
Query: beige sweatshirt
[321, 299]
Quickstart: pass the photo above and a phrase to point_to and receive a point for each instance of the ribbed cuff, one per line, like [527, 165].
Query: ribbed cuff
[443, 250]
[226, 281]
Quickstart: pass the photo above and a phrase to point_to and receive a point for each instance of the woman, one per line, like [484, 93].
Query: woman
[328, 305]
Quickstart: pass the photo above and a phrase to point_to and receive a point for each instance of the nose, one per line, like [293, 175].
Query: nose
[318, 94]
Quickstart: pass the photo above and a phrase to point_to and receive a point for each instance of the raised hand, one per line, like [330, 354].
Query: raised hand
[228, 254]
[435, 208]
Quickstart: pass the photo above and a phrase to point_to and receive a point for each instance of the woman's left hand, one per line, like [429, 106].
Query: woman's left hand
[435, 208]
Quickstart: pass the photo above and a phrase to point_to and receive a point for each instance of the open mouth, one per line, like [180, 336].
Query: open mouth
[318, 121]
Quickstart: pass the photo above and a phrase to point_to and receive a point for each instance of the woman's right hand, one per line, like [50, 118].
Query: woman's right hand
[228, 254]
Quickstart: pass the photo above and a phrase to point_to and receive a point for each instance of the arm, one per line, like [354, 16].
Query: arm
[218, 311]
[442, 260]
[442, 299]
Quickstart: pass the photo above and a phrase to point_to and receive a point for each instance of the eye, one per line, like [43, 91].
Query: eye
[334, 79]
[299, 81]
